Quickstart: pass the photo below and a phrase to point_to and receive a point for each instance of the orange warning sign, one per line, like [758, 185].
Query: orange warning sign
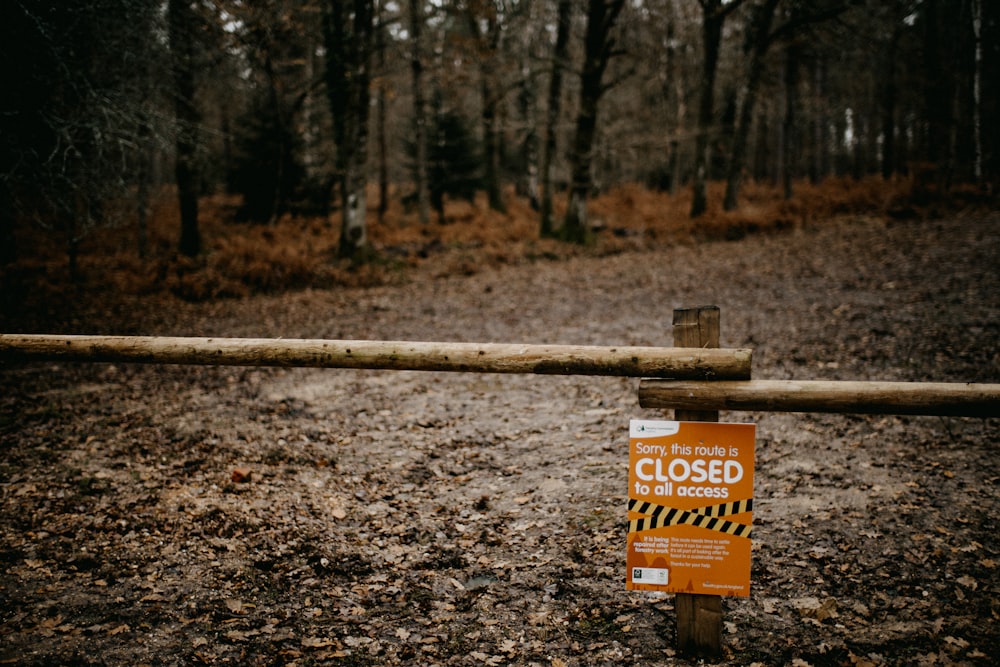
[690, 507]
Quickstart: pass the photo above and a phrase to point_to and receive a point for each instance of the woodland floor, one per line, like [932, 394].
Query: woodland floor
[455, 519]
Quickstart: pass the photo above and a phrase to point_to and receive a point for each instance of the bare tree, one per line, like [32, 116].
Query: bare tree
[349, 37]
[598, 48]
[183, 25]
[74, 107]
[381, 110]
[758, 41]
[714, 14]
[977, 95]
[419, 110]
[485, 23]
[527, 46]
[560, 61]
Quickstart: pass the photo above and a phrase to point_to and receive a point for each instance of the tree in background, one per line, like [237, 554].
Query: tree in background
[454, 161]
[75, 104]
[560, 63]
[484, 20]
[272, 97]
[760, 36]
[183, 22]
[275, 161]
[419, 110]
[756, 44]
[529, 36]
[349, 40]
[598, 48]
[714, 14]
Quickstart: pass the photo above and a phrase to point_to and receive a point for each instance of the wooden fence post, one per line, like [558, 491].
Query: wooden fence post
[699, 617]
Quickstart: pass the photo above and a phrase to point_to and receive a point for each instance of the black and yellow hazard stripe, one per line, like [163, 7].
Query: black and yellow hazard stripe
[659, 516]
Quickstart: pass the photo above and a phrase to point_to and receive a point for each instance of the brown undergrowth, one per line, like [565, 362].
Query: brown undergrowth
[296, 252]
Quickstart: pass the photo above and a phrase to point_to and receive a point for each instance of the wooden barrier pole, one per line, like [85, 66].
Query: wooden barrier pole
[660, 362]
[884, 398]
[699, 617]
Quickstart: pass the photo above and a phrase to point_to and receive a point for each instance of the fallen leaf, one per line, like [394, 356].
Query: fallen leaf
[811, 607]
[317, 642]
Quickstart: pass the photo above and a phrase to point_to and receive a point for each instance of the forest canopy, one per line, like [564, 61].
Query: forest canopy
[340, 108]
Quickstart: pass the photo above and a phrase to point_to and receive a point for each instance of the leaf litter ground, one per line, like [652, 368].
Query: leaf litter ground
[188, 515]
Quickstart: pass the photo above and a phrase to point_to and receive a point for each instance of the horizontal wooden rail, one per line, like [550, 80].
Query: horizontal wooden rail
[900, 398]
[659, 362]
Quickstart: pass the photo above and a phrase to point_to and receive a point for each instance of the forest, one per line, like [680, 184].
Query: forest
[166, 139]
[509, 171]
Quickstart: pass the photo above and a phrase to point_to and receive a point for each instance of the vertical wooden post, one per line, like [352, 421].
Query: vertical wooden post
[699, 617]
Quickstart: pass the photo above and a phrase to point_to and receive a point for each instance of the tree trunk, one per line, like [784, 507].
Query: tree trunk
[937, 99]
[559, 62]
[575, 228]
[674, 92]
[485, 25]
[353, 231]
[492, 141]
[889, 98]
[737, 161]
[381, 113]
[764, 163]
[789, 145]
[818, 167]
[601, 16]
[182, 27]
[144, 178]
[349, 39]
[714, 14]
[419, 111]
[977, 73]
[527, 104]
[528, 182]
[281, 152]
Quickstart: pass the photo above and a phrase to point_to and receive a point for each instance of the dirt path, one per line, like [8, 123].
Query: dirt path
[418, 518]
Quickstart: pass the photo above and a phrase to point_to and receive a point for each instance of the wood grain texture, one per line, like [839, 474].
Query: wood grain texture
[900, 398]
[629, 361]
